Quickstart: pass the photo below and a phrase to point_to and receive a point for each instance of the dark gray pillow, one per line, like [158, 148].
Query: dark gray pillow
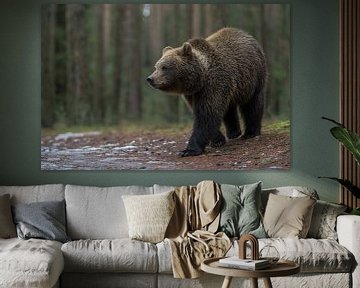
[240, 213]
[44, 220]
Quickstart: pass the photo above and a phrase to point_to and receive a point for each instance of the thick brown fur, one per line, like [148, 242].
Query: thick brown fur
[216, 75]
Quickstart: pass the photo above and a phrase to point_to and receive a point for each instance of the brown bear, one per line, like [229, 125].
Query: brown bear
[216, 75]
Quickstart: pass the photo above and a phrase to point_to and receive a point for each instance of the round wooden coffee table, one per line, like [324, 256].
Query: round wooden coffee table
[281, 268]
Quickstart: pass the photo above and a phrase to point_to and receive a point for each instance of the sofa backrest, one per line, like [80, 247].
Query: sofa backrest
[36, 193]
[162, 188]
[293, 191]
[98, 212]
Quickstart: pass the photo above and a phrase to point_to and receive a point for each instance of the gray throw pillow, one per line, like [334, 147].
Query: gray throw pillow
[323, 223]
[240, 213]
[44, 220]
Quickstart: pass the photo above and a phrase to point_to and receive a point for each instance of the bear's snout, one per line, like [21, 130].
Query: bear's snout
[150, 80]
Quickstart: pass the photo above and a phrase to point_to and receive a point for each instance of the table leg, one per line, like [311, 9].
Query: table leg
[267, 283]
[227, 282]
[254, 282]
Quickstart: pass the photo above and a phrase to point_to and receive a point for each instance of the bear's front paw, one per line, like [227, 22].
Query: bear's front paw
[189, 152]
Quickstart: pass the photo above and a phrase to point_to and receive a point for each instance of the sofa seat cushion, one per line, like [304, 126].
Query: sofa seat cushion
[110, 255]
[30, 263]
[313, 255]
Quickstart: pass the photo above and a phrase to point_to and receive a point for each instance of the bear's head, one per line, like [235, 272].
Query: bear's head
[178, 71]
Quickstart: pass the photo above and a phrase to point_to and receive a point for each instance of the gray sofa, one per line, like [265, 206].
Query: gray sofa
[102, 255]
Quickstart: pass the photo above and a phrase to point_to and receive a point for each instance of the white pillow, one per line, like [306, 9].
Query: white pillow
[149, 215]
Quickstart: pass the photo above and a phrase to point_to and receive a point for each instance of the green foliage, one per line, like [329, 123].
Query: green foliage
[351, 141]
[355, 211]
[348, 138]
[280, 126]
[347, 184]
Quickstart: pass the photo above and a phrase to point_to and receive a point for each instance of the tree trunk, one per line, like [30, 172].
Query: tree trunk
[196, 20]
[189, 18]
[133, 51]
[98, 99]
[209, 19]
[118, 65]
[156, 36]
[48, 65]
[222, 16]
[78, 100]
[102, 57]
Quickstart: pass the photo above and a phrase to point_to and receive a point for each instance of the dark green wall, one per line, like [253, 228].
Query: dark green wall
[314, 94]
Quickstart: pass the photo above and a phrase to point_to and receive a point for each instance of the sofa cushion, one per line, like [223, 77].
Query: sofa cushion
[149, 215]
[240, 210]
[291, 191]
[313, 255]
[116, 255]
[36, 193]
[163, 188]
[43, 220]
[7, 226]
[30, 263]
[98, 213]
[164, 257]
[323, 222]
[109, 280]
[287, 216]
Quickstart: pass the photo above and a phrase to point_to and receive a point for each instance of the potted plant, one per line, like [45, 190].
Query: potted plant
[351, 141]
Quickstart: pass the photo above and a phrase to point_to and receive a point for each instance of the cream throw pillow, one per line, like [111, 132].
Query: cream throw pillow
[149, 215]
[288, 217]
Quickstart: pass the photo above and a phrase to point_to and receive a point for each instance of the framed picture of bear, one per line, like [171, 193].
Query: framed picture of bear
[165, 87]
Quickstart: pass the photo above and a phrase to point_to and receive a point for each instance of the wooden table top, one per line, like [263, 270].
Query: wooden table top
[281, 268]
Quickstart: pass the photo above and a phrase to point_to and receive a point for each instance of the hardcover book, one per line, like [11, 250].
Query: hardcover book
[249, 264]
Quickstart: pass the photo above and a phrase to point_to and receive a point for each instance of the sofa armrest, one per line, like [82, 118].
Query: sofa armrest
[348, 230]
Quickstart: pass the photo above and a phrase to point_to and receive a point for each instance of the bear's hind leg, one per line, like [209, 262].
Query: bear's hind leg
[218, 140]
[252, 113]
[232, 123]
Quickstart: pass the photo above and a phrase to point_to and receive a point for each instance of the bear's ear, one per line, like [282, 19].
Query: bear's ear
[186, 49]
[167, 48]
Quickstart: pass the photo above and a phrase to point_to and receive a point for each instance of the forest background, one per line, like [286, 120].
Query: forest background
[96, 57]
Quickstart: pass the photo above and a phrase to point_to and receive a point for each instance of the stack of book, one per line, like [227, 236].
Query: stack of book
[248, 264]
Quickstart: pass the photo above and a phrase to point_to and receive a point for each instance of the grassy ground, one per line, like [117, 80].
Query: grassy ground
[278, 126]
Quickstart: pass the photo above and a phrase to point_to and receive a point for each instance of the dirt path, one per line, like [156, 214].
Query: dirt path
[154, 151]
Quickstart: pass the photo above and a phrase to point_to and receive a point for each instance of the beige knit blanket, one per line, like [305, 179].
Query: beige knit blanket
[191, 231]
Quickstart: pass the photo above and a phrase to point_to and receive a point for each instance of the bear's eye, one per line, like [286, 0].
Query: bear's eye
[165, 67]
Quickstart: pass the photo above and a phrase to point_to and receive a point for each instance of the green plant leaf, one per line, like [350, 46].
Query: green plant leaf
[355, 211]
[349, 139]
[347, 184]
